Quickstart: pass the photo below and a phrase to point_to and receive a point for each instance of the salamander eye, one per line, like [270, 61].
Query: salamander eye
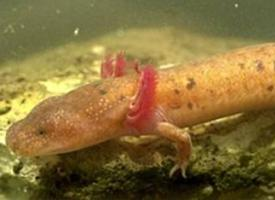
[41, 131]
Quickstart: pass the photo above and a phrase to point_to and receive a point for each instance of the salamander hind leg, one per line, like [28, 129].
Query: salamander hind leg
[184, 145]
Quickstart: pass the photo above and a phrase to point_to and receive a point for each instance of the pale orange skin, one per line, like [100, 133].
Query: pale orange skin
[239, 81]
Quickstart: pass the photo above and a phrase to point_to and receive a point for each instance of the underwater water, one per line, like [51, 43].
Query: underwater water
[51, 47]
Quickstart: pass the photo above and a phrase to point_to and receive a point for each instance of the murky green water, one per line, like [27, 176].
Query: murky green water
[50, 47]
[30, 26]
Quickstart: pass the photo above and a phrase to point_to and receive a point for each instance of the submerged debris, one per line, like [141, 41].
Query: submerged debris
[4, 109]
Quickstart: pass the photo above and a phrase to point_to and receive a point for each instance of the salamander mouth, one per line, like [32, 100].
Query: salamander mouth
[36, 150]
[54, 149]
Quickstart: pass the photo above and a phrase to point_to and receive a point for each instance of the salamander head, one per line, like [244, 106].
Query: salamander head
[52, 127]
[67, 123]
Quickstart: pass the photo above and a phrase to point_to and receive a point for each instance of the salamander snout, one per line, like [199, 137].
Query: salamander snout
[19, 139]
[10, 137]
[52, 127]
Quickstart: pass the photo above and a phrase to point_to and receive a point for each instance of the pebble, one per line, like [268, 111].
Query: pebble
[208, 190]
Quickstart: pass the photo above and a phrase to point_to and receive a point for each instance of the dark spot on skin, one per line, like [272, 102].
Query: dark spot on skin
[121, 98]
[191, 83]
[270, 88]
[241, 65]
[102, 92]
[190, 105]
[259, 65]
[41, 131]
[176, 91]
[274, 65]
[211, 91]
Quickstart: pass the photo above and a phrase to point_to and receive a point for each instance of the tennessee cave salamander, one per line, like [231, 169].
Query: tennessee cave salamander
[149, 101]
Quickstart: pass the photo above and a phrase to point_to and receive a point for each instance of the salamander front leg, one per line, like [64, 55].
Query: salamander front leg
[184, 145]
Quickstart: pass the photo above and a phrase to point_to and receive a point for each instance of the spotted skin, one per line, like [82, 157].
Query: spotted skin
[238, 81]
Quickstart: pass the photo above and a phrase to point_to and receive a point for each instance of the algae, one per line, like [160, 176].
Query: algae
[233, 157]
